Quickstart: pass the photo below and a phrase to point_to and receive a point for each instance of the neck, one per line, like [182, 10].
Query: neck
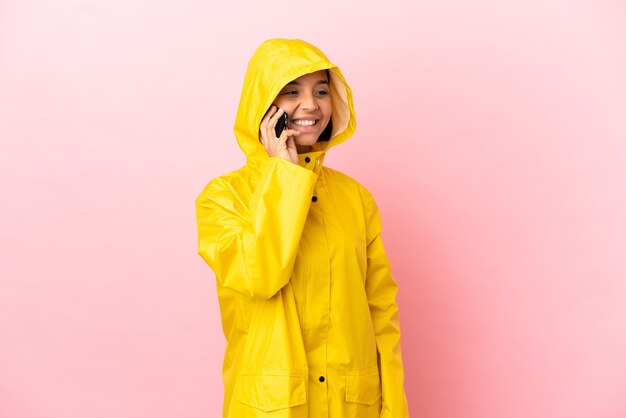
[303, 149]
[318, 146]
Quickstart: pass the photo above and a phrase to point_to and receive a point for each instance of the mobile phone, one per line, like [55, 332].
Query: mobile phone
[281, 124]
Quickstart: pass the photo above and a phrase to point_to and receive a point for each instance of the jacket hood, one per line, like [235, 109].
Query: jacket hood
[275, 63]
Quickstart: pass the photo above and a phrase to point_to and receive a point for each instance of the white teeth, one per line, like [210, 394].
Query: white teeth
[304, 122]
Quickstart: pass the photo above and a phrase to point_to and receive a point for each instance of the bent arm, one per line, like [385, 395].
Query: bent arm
[252, 249]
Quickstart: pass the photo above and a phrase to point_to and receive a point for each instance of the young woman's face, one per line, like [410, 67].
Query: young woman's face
[307, 102]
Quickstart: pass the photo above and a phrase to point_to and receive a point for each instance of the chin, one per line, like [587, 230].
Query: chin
[307, 141]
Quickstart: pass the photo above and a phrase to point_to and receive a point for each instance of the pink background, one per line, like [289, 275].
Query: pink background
[492, 134]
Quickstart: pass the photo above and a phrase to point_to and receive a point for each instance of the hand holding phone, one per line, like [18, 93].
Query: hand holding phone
[269, 136]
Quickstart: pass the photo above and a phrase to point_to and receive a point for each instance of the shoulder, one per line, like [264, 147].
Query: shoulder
[345, 181]
[361, 196]
[225, 188]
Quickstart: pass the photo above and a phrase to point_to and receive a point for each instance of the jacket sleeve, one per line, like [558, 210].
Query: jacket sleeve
[251, 246]
[381, 289]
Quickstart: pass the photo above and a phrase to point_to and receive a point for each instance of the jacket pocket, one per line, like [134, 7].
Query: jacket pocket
[269, 392]
[363, 386]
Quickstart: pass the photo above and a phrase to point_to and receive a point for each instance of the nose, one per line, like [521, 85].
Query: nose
[309, 102]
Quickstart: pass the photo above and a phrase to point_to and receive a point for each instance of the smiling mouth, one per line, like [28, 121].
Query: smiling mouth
[303, 122]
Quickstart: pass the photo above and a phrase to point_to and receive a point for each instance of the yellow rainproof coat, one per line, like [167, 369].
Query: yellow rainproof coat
[306, 294]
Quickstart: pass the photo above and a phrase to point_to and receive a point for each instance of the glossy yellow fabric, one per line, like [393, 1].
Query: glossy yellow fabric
[304, 286]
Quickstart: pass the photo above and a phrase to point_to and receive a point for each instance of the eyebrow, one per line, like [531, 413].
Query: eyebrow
[297, 83]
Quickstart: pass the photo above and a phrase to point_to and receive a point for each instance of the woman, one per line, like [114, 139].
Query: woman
[306, 294]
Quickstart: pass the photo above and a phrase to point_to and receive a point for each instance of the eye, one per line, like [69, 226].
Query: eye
[322, 92]
[290, 93]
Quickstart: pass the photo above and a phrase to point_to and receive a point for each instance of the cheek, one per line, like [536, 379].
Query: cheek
[285, 105]
[327, 110]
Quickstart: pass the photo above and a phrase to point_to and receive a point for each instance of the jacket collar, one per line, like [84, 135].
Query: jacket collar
[313, 161]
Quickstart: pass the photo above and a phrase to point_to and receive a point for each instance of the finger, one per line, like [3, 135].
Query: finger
[263, 128]
[271, 111]
[279, 111]
[290, 132]
[274, 119]
[270, 128]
